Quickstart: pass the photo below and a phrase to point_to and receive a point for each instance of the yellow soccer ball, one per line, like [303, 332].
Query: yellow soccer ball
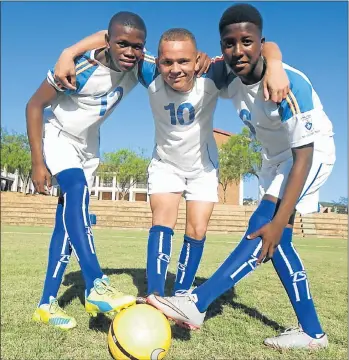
[139, 332]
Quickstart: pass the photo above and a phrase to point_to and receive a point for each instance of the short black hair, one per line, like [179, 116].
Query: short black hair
[127, 18]
[177, 34]
[240, 13]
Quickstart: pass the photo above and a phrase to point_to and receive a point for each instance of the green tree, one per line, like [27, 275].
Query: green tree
[341, 205]
[239, 158]
[15, 155]
[128, 166]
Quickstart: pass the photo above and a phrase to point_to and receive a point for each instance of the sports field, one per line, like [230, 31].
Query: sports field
[235, 326]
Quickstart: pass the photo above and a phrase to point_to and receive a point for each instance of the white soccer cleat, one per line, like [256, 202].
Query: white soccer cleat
[296, 338]
[180, 308]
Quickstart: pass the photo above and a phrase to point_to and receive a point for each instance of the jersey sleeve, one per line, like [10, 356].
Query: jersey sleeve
[297, 111]
[84, 68]
[147, 69]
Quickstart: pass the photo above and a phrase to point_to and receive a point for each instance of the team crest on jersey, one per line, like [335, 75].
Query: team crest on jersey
[308, 124]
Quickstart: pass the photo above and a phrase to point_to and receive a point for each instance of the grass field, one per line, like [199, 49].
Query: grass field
[235, 326]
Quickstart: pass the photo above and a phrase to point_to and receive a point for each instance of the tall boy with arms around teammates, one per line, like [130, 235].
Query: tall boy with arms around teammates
[298, 157]
[185, 153]
[70, 152]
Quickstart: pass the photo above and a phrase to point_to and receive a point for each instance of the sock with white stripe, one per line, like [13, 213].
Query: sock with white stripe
[158, 258]
[58, 257]
[239, 263]
[292, 274]
[76, 220]
[188, 263]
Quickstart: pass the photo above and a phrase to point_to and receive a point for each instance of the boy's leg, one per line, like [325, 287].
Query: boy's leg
[165, 187]
[292, 273]
[293, 276]
[201, 194]
[58, 259]
[57, 153]
[76, 222]
[64, 161]
[190, 309]
[48, 310]
[159, 250]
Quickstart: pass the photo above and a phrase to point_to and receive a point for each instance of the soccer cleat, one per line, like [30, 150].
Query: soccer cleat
[54, 315]
[103, 298]
[180, 308]
[296, 338]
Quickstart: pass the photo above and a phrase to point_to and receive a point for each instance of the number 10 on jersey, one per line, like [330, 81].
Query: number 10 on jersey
[178, 116]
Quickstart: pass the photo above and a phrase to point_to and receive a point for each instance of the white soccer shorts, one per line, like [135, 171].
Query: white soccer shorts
[166, 178]
[273, 179]
[62, 152]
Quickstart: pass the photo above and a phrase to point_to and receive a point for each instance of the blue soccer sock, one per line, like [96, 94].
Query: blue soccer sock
[77, 223]
[158, 258]
[58, 258]
[188, 263]
[239, 263]
[292, 274]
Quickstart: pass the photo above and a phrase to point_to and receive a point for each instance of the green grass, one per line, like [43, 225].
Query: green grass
[235, 326]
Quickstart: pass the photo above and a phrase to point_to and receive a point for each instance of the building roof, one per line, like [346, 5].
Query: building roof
[223, 132]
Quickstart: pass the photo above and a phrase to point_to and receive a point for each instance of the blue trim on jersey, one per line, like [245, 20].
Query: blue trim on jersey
[300, 98]
[82, 77]
[306, 190]
[147, 70]
[217, 72]
[209, 156]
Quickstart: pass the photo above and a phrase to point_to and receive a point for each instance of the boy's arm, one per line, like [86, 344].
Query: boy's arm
[275, 82]
[272, 232]
[43, 96]
[302, 161]
[65, 67]
[299, 116]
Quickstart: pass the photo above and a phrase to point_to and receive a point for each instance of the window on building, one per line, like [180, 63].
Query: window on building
[107, 181]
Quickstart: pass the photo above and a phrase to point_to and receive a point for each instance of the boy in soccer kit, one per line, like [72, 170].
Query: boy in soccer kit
[69, 151]
[185, 158]
[298, 156]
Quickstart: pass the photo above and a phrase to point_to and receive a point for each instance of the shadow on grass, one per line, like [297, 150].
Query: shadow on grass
[102, 322]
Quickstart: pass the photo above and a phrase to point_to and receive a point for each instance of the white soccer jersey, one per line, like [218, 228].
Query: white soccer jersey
[79, 113]
[184, 121]
[298, 120]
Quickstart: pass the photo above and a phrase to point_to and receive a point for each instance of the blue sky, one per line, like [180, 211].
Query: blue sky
[313, 37]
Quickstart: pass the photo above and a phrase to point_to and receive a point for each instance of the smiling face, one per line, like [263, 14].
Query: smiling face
[177, 63]
[125, 45]
[241, 45]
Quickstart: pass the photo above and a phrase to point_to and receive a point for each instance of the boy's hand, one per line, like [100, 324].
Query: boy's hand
[65, 72]
[204, 63]
[41, 176]
[271, 235]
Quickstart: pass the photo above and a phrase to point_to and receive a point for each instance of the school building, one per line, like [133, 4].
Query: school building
[108, 189]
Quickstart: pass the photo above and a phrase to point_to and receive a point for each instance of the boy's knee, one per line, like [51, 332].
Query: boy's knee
[72, 180]
[196, 232]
